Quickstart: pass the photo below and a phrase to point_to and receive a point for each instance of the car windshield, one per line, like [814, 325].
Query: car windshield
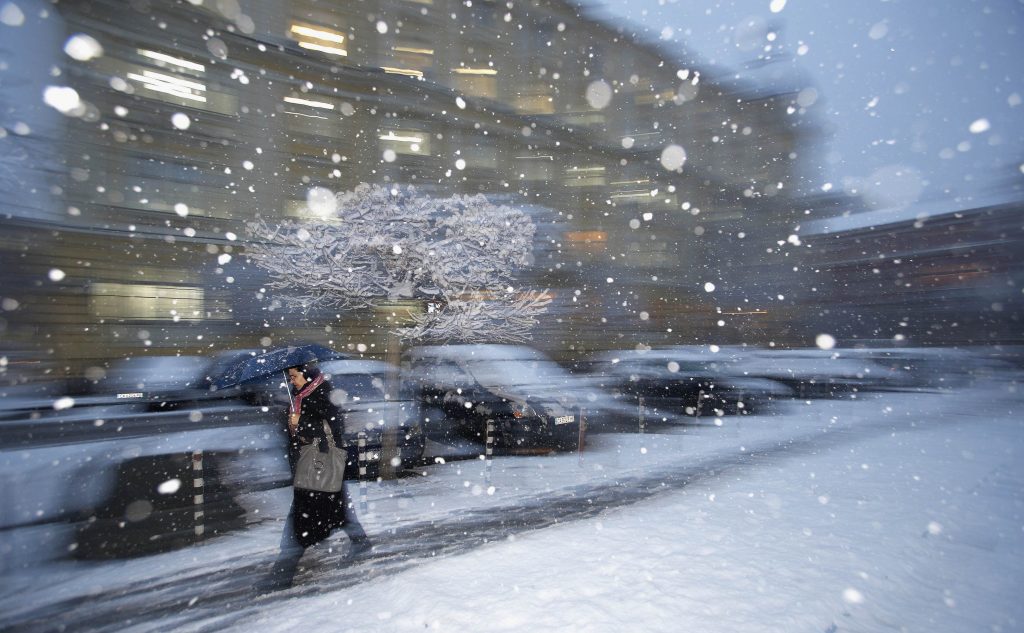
[534, 372]
[356, 388]
[160, 372]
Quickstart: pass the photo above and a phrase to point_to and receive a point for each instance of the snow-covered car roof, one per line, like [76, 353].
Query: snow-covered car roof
[497, 364]
[678, 352]
[812, 364]
[355, 366]
[660, 361]
[512, 370]
[153, 373]
[478, 351]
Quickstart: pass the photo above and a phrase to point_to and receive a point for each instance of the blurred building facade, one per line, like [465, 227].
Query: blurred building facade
[942, 272]
[650, 181]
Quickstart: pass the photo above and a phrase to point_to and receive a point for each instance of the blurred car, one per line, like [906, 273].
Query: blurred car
[674, 382]
[937, 367]
[129, 386]
[818, 373]
[203, 390]
[121, 485]
[908, 368]
[533, 402]
[359, 389]
[133, 385]
[27, 386]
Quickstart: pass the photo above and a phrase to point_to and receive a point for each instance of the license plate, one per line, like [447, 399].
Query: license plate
[565, 419]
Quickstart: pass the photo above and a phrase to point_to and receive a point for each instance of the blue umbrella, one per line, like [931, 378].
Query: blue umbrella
[277, 360]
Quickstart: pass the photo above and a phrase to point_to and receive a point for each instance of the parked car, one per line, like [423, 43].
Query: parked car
[532, 401]
[817, 373]
[130, 386]
[204, 390]
[937, 367]
[359, 389]
[133, 385]
[122, 485]
[676, 382]
[27, 387]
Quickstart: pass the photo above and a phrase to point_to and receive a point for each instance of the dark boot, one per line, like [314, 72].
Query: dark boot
[358, 547]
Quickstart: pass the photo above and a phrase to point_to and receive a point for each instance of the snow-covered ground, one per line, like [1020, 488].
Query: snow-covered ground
[893, 511]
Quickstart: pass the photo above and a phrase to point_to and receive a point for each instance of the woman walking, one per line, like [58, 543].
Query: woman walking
[314, 514]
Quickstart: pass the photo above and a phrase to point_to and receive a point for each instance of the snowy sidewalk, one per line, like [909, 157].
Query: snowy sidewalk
[914, 529]
[451, 514]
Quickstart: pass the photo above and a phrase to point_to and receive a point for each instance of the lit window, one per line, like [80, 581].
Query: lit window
[408, 72]
[176, 77]
[413, 50]
[413, 56]
[586, 241]
[474, 71]
[318, 38]
[171, 60]
[307, 107]
[533, 103]
[649, 98]
[635, 196]
[146, 302]
[586, 176]
[476, 85]
[407, 141]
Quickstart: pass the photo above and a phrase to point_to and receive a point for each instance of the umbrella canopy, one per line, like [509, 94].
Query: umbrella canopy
[276, 360]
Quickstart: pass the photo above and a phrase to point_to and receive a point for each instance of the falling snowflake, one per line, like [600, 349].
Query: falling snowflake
[82, 47]
[181, 121]
[673, 157]
[599, 94]
[825, 341]
[62, 99]
[979, 126]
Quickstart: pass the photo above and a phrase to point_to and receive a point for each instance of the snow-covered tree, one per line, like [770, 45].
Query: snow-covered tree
[375, 244]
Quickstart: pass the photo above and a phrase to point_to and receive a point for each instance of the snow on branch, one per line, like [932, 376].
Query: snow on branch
[385, 244]
[478, 320]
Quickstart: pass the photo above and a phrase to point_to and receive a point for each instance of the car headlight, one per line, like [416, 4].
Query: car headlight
[523, 410]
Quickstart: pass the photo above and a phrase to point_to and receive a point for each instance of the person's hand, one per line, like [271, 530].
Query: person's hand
[293, 422]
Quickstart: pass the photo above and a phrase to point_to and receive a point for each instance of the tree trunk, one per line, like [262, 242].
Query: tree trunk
[389, 456]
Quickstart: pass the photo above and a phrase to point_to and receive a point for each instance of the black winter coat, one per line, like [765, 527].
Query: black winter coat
[315, 514]
[316, 409]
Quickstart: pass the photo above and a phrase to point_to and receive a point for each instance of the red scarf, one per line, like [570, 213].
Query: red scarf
[306, 390]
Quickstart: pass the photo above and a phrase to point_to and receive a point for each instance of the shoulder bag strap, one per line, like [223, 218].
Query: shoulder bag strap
[329, 435]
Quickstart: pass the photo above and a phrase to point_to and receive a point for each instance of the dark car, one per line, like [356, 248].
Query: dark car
[203, 389]
[131, 386]
[359, 389]
[935, 368]
[117, 491]
[532, 402]
[674, 383]
[818, 373]
[27, 389]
